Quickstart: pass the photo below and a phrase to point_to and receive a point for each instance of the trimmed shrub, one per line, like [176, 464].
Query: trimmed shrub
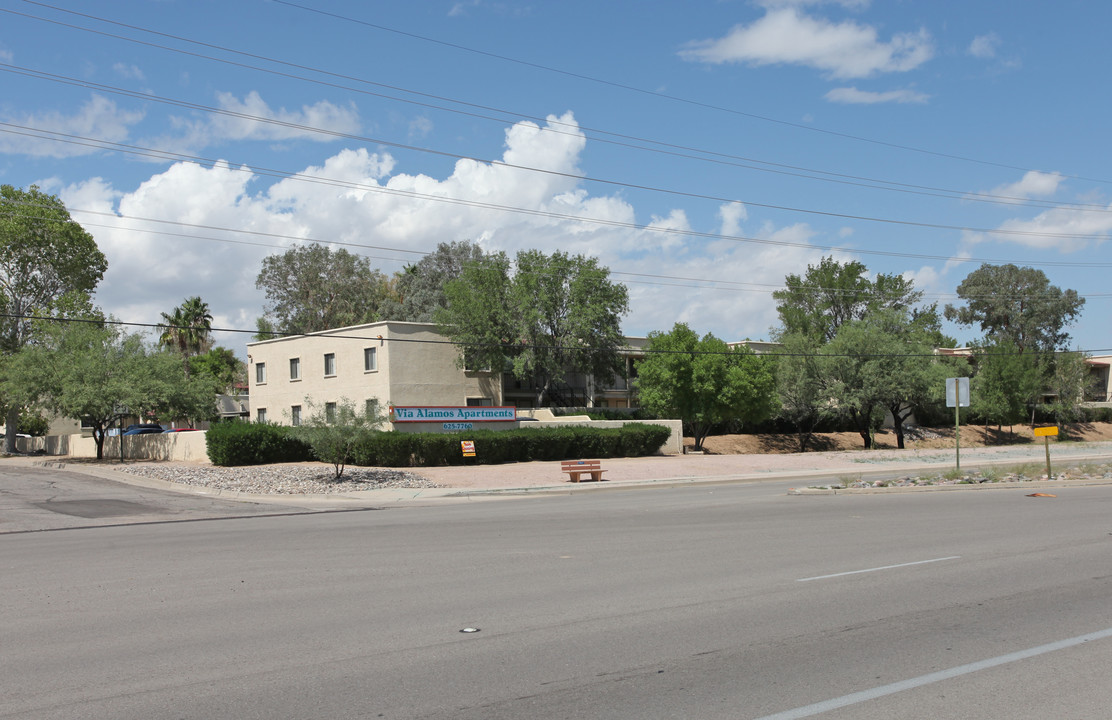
[394, 449]
[242, 443]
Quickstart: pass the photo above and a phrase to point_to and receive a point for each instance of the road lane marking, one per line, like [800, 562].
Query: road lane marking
[886, 567]
[864, 695]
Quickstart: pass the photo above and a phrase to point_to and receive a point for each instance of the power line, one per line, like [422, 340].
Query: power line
[14, 69]
[663, 95]
[120, 147]
[547, 125]
[508, 346]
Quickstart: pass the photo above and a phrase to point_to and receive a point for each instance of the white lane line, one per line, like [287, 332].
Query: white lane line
[886, 567]
[864, 695]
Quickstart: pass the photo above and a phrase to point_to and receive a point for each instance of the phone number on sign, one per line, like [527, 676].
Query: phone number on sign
[458, 426]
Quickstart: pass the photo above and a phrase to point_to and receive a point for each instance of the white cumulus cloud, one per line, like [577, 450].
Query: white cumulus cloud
[787, 36]
[984, 46]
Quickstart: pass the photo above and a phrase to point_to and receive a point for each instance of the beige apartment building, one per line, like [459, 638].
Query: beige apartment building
[388, 363]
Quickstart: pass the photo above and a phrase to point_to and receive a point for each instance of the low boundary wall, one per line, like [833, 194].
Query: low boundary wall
[181, 446]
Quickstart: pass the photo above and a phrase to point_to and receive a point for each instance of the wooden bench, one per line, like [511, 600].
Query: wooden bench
[575, 468]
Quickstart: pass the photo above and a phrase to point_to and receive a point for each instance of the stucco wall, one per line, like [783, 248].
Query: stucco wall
[181, 446]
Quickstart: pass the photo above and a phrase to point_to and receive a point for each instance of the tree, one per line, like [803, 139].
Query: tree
[419, 288]
[1007, 384]
[187, 329]
[1069, 380]
[334, 432]
[87, 370]
[222, 366]
[831, 294]
[311, 288]
[801, 387]
[704, 381]
[1017, 305]
[49, 266]
[556, 315]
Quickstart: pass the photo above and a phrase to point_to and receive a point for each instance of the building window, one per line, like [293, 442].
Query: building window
[370, 359]
[295, 368]
[260, 415]
[260, 373]
[330, 412]
[295, 415]
[329, 364]
[472, 362]
[480, 402]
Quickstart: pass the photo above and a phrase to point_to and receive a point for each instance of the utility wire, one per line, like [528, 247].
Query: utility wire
[658, 94]
[62, 137]
[277, 335]
[553, 125]
[499, 163]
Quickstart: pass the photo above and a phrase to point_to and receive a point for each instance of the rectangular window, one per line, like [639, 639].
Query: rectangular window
[295, 415]
[329, 364]
[479, 402]
[330, 412]
[372, 407]
[472, 362]
[260, 415]
[370, 359]
[260, 373]
[295, 368]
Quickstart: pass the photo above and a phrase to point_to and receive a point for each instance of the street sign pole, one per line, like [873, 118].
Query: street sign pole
[957, 397]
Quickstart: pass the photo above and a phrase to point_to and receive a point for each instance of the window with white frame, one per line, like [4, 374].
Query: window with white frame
[295, 368]
[330, 412]
[295, 415]
[260, 415]
[260, 373]
[370, 359]
[329, 364]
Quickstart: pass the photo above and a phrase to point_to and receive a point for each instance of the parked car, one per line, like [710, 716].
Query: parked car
[144, 429]
[173, 430]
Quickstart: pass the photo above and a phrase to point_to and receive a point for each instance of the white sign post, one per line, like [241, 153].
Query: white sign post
[957, 397]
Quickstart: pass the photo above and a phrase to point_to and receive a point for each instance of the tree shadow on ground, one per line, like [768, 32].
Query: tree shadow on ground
[790, 443]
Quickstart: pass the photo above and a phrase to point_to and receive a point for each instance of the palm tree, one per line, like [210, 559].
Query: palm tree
[187, 328]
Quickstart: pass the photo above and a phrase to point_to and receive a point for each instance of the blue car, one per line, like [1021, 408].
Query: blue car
[147, 429]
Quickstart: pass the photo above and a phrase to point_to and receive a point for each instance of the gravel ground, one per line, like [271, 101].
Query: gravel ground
[300, 479]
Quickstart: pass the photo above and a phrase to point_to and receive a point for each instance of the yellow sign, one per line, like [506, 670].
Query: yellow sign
[1046, 432]
[468, 447]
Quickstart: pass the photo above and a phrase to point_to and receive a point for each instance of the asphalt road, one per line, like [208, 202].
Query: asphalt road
[712, 602]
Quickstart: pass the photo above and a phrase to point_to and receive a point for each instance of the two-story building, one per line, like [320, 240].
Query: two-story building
[388, 363]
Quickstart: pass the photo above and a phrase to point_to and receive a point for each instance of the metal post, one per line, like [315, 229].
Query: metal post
[1046, 439]
[957, 435]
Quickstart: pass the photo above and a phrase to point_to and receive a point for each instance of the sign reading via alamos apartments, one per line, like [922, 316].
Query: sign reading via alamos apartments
[454, 414]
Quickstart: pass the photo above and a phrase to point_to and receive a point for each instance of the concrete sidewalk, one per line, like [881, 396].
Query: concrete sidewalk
[486, 482]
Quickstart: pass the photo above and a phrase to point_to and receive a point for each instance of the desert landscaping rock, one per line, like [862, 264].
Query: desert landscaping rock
[300, 479]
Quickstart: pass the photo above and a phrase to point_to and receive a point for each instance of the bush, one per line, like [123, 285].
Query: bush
[393, 449]
[243, 443]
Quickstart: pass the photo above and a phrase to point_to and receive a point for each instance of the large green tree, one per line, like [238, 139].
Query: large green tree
[419, 288]
[49, 266]
[1017, 305]
[311, 288]
[831, 294]
[1007, 384]
[704, 381]
[556, 314]
[222, 366]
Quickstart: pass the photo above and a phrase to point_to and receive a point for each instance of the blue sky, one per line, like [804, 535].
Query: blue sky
[701, 150]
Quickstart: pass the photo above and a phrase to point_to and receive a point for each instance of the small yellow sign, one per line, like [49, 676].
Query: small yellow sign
[1046, 432]
[468, 447]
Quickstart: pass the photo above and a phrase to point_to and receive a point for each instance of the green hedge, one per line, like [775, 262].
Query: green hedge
[247, 443]
[257, 444]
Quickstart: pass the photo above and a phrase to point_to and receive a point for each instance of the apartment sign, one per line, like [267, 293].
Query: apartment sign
[442, 414]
